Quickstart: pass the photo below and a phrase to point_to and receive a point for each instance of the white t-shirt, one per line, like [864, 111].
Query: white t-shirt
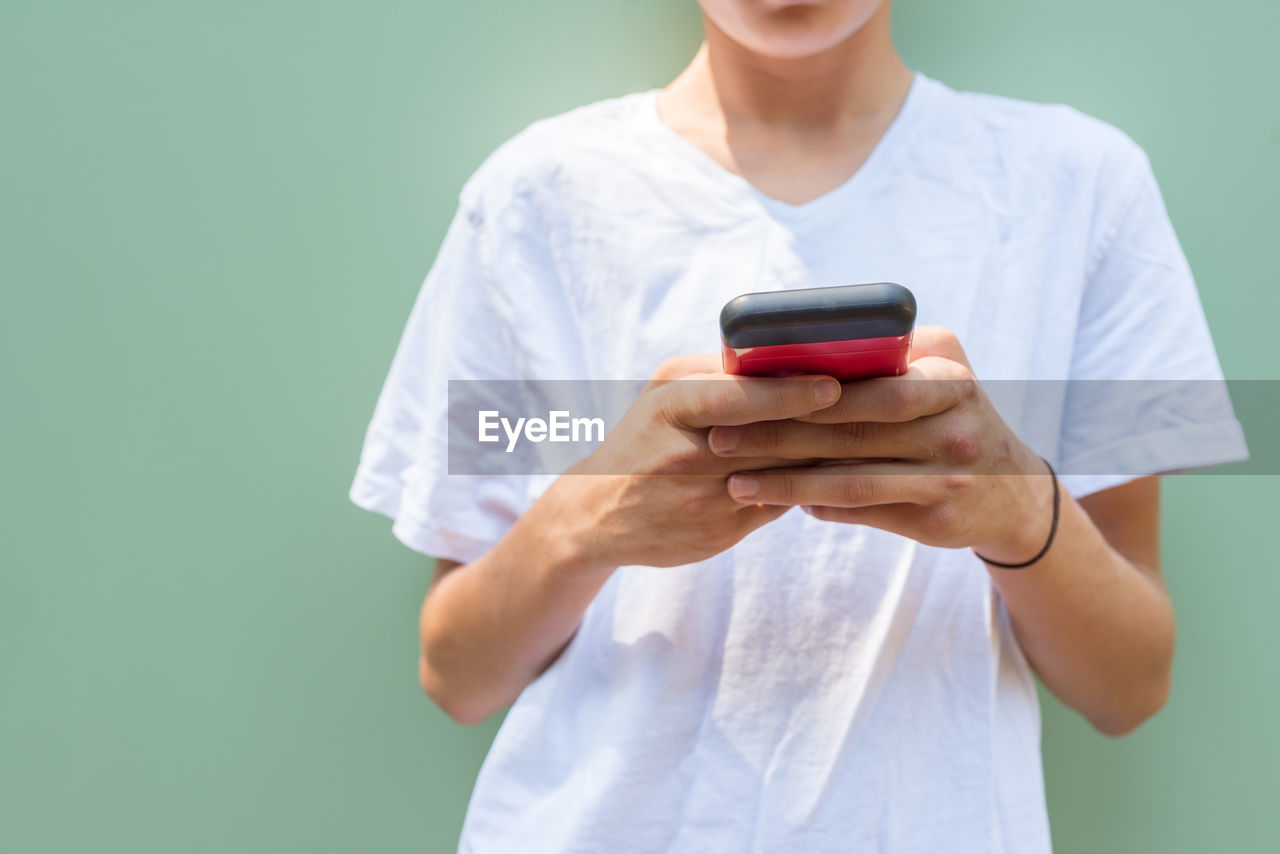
[818, 687]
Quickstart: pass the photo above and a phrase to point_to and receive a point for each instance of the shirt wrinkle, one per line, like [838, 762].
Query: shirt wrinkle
[819, 687]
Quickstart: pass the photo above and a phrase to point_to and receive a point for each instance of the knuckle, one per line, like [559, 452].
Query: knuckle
[942, 521]
[967, 387]
[956, 485]
[665, 402]
[962, 446]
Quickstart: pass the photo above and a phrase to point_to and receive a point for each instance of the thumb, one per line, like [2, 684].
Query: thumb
[684, 365]
[937, 341]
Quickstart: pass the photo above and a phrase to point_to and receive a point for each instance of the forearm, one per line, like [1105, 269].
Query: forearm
[1098, 629]
[652, 494]
[933, 460]
[490, 627]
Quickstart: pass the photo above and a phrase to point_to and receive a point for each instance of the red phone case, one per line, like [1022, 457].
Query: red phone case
[848, 332]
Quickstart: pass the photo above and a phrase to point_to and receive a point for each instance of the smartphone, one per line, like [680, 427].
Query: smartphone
[848, 332]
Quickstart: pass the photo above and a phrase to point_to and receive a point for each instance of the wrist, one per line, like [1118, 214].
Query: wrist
[1028, 515]
[566, 532]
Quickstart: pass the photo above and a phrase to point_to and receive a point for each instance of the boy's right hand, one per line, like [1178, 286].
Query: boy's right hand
[653, 493]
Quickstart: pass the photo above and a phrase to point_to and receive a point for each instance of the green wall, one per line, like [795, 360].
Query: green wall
[215, 218]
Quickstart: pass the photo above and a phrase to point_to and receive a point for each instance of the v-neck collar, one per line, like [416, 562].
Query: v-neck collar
[885, 149]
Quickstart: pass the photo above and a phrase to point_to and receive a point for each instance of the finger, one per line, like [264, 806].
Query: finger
[849, 485]
[937, 341]
[727, 400]
[931, 385]
[728, 465]
[685, 365]
[903, 518]
[803, 440]
[931, 523]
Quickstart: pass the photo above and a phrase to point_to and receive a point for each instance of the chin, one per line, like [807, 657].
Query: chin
[789, 29]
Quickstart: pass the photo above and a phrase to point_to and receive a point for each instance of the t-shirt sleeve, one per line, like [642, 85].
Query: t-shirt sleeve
[456, 330]
[1146, 394]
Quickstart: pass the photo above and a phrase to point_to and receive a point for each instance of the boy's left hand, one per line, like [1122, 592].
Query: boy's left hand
[924, 455]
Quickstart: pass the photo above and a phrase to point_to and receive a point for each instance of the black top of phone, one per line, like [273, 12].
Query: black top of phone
[809, 315]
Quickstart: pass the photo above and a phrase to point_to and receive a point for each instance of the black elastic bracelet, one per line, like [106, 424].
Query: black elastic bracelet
[1053, 529]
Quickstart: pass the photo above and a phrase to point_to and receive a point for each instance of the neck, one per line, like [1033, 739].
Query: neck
[854, 82]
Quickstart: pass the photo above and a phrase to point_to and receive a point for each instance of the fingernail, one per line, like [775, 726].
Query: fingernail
[743, 486]
[723, 439]
[808, 508]
[826, 392]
